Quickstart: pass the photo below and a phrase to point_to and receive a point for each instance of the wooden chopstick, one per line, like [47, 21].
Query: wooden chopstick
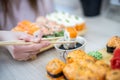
[62, 42]
[4, 43]
[53, 38]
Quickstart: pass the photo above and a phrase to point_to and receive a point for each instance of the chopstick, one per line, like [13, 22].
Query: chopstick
[53, 38]
[4, 43]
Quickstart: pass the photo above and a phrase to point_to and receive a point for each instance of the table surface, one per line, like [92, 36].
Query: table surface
[99, 30]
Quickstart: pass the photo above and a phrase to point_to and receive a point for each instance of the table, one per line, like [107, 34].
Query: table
[99, 30]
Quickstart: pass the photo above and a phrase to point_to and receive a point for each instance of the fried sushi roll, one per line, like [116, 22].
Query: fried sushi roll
[54, 69]
[89, 59]
[113, 75]
[74, 71]
[75, 55]
[99, 70]
[103, 64]
[113, 43]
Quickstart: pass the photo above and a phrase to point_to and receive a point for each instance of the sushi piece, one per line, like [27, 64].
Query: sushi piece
[67, 20]
[27, 27]
[74, 71]
[113, 75]
[75, 55]
[48, 28]
[103, 64]
[78, 56]
[70, 34]
[113, 43]
[79, 23]
[99, 69]
[54, 69]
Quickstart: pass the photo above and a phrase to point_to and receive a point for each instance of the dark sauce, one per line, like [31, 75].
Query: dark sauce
[77, 45]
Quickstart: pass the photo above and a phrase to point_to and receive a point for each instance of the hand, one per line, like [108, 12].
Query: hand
[24, 52]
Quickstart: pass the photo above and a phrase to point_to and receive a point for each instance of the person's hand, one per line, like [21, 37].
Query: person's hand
[24, 52]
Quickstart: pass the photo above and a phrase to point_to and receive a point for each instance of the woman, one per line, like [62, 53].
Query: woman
[14, 11]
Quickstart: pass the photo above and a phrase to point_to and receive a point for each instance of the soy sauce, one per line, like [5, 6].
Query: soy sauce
[77, 45]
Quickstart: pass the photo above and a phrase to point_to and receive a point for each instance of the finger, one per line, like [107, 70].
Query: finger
[33, 52]
[21, 56]
[33, 47]
[37, 36]
[28, 55]
[26, 37]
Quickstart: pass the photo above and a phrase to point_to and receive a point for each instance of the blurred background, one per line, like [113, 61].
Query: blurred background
[102, 19]
[105, 8]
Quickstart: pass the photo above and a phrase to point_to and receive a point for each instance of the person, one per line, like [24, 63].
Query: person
[14, 11]
[23, 52]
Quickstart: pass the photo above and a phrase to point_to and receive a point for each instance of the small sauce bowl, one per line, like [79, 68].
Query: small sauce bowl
[63, 52]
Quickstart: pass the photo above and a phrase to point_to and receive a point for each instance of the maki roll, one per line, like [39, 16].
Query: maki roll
[113, 43]
[70, 34]
[78, 56]
[89, 59]
[74, 71]
[68, 20]
[113, 75]
[75, 55]
[54, 69]
[27, 27]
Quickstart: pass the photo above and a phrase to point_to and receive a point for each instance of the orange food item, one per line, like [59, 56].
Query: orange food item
[80, 27]
[72, 32]
[26, 26]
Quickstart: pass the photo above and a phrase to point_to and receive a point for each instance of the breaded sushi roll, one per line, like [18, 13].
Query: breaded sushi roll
[113, 75]
[74, 71]
[113, 43]
[103, 64]
[54, 69]
[89, 59]
[99, 70]
[75, 56]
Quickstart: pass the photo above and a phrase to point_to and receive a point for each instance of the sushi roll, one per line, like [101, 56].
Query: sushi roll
[113, 75]
[103, 64]
[67, 20]
[113, 43]
[54, 69]
[70, 34]
[74, 71]
[75, 55]
[27, 27]
[99, 69]
[78, 22]
[89, 59]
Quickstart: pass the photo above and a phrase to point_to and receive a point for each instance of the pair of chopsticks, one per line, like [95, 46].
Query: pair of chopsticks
[19, 42]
